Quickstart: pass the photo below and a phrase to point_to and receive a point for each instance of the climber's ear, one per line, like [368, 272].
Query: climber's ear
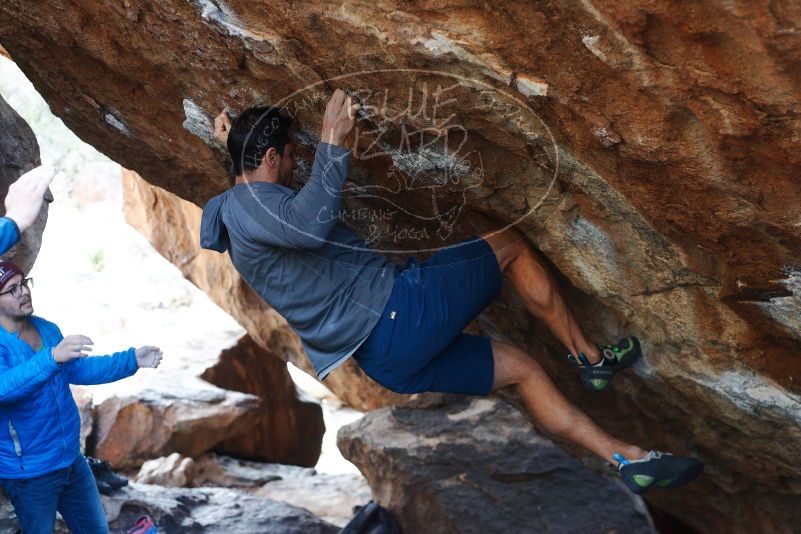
[271, 158]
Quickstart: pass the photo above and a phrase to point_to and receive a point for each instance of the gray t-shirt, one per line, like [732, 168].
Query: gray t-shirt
[324, 280]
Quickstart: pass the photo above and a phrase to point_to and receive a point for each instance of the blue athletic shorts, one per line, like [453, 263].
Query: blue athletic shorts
[418, 344]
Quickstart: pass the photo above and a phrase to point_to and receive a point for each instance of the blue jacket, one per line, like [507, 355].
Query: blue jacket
[39, 421]
[9, 234]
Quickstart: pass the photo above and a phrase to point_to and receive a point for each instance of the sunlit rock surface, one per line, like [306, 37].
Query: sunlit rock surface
[330, 497]
[651, 151]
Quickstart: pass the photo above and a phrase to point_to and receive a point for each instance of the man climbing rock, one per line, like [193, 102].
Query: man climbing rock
[403, 326]
[41, 466]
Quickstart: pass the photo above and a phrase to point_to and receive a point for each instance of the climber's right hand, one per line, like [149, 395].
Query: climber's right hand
[339, 118]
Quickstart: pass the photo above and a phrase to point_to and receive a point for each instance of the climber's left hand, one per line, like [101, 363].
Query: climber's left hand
[222, 126]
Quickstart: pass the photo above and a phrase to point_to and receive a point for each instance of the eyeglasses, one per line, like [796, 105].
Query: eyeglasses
[16, 291]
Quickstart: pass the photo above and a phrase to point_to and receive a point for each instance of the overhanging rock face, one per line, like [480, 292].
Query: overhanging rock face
[650, 151]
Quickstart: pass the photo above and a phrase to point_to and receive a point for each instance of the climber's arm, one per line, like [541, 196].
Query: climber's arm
[279, 217]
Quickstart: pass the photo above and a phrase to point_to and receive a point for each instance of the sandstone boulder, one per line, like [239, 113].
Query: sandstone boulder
[475, 466]
[288, 427]
[175, 471]
[133, 428]
[649, 150]
[177, 410]
[330, 497]
[225, 471]
[19, 153]
[83, 399]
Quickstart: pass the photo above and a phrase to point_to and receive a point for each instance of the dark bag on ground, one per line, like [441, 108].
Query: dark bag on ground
[371, 518]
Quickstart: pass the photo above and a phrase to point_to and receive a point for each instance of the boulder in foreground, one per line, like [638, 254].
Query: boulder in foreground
[472, 466]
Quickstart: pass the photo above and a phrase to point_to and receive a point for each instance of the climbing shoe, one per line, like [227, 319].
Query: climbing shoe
[107, 480]
[614, 358]
[657, 469]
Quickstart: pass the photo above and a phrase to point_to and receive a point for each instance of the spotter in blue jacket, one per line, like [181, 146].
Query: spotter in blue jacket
[39, 420]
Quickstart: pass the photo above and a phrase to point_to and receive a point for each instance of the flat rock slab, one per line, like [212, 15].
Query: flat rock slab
[477, 466]
[331, 497]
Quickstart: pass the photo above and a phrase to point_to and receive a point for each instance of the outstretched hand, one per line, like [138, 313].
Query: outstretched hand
[222, 126]
[339, 118]
[148, 356]
[25, 196]
[72, 347]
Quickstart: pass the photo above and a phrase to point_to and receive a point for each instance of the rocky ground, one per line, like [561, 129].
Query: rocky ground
[201, 510]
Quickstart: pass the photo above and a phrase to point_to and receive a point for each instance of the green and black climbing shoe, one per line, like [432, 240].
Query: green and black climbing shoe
[658, 470]
[614, 358]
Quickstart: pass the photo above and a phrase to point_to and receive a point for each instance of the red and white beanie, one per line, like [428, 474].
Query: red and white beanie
[7, 272]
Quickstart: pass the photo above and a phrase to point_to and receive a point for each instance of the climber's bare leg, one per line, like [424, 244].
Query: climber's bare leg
[539, 291]
[549, 408]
